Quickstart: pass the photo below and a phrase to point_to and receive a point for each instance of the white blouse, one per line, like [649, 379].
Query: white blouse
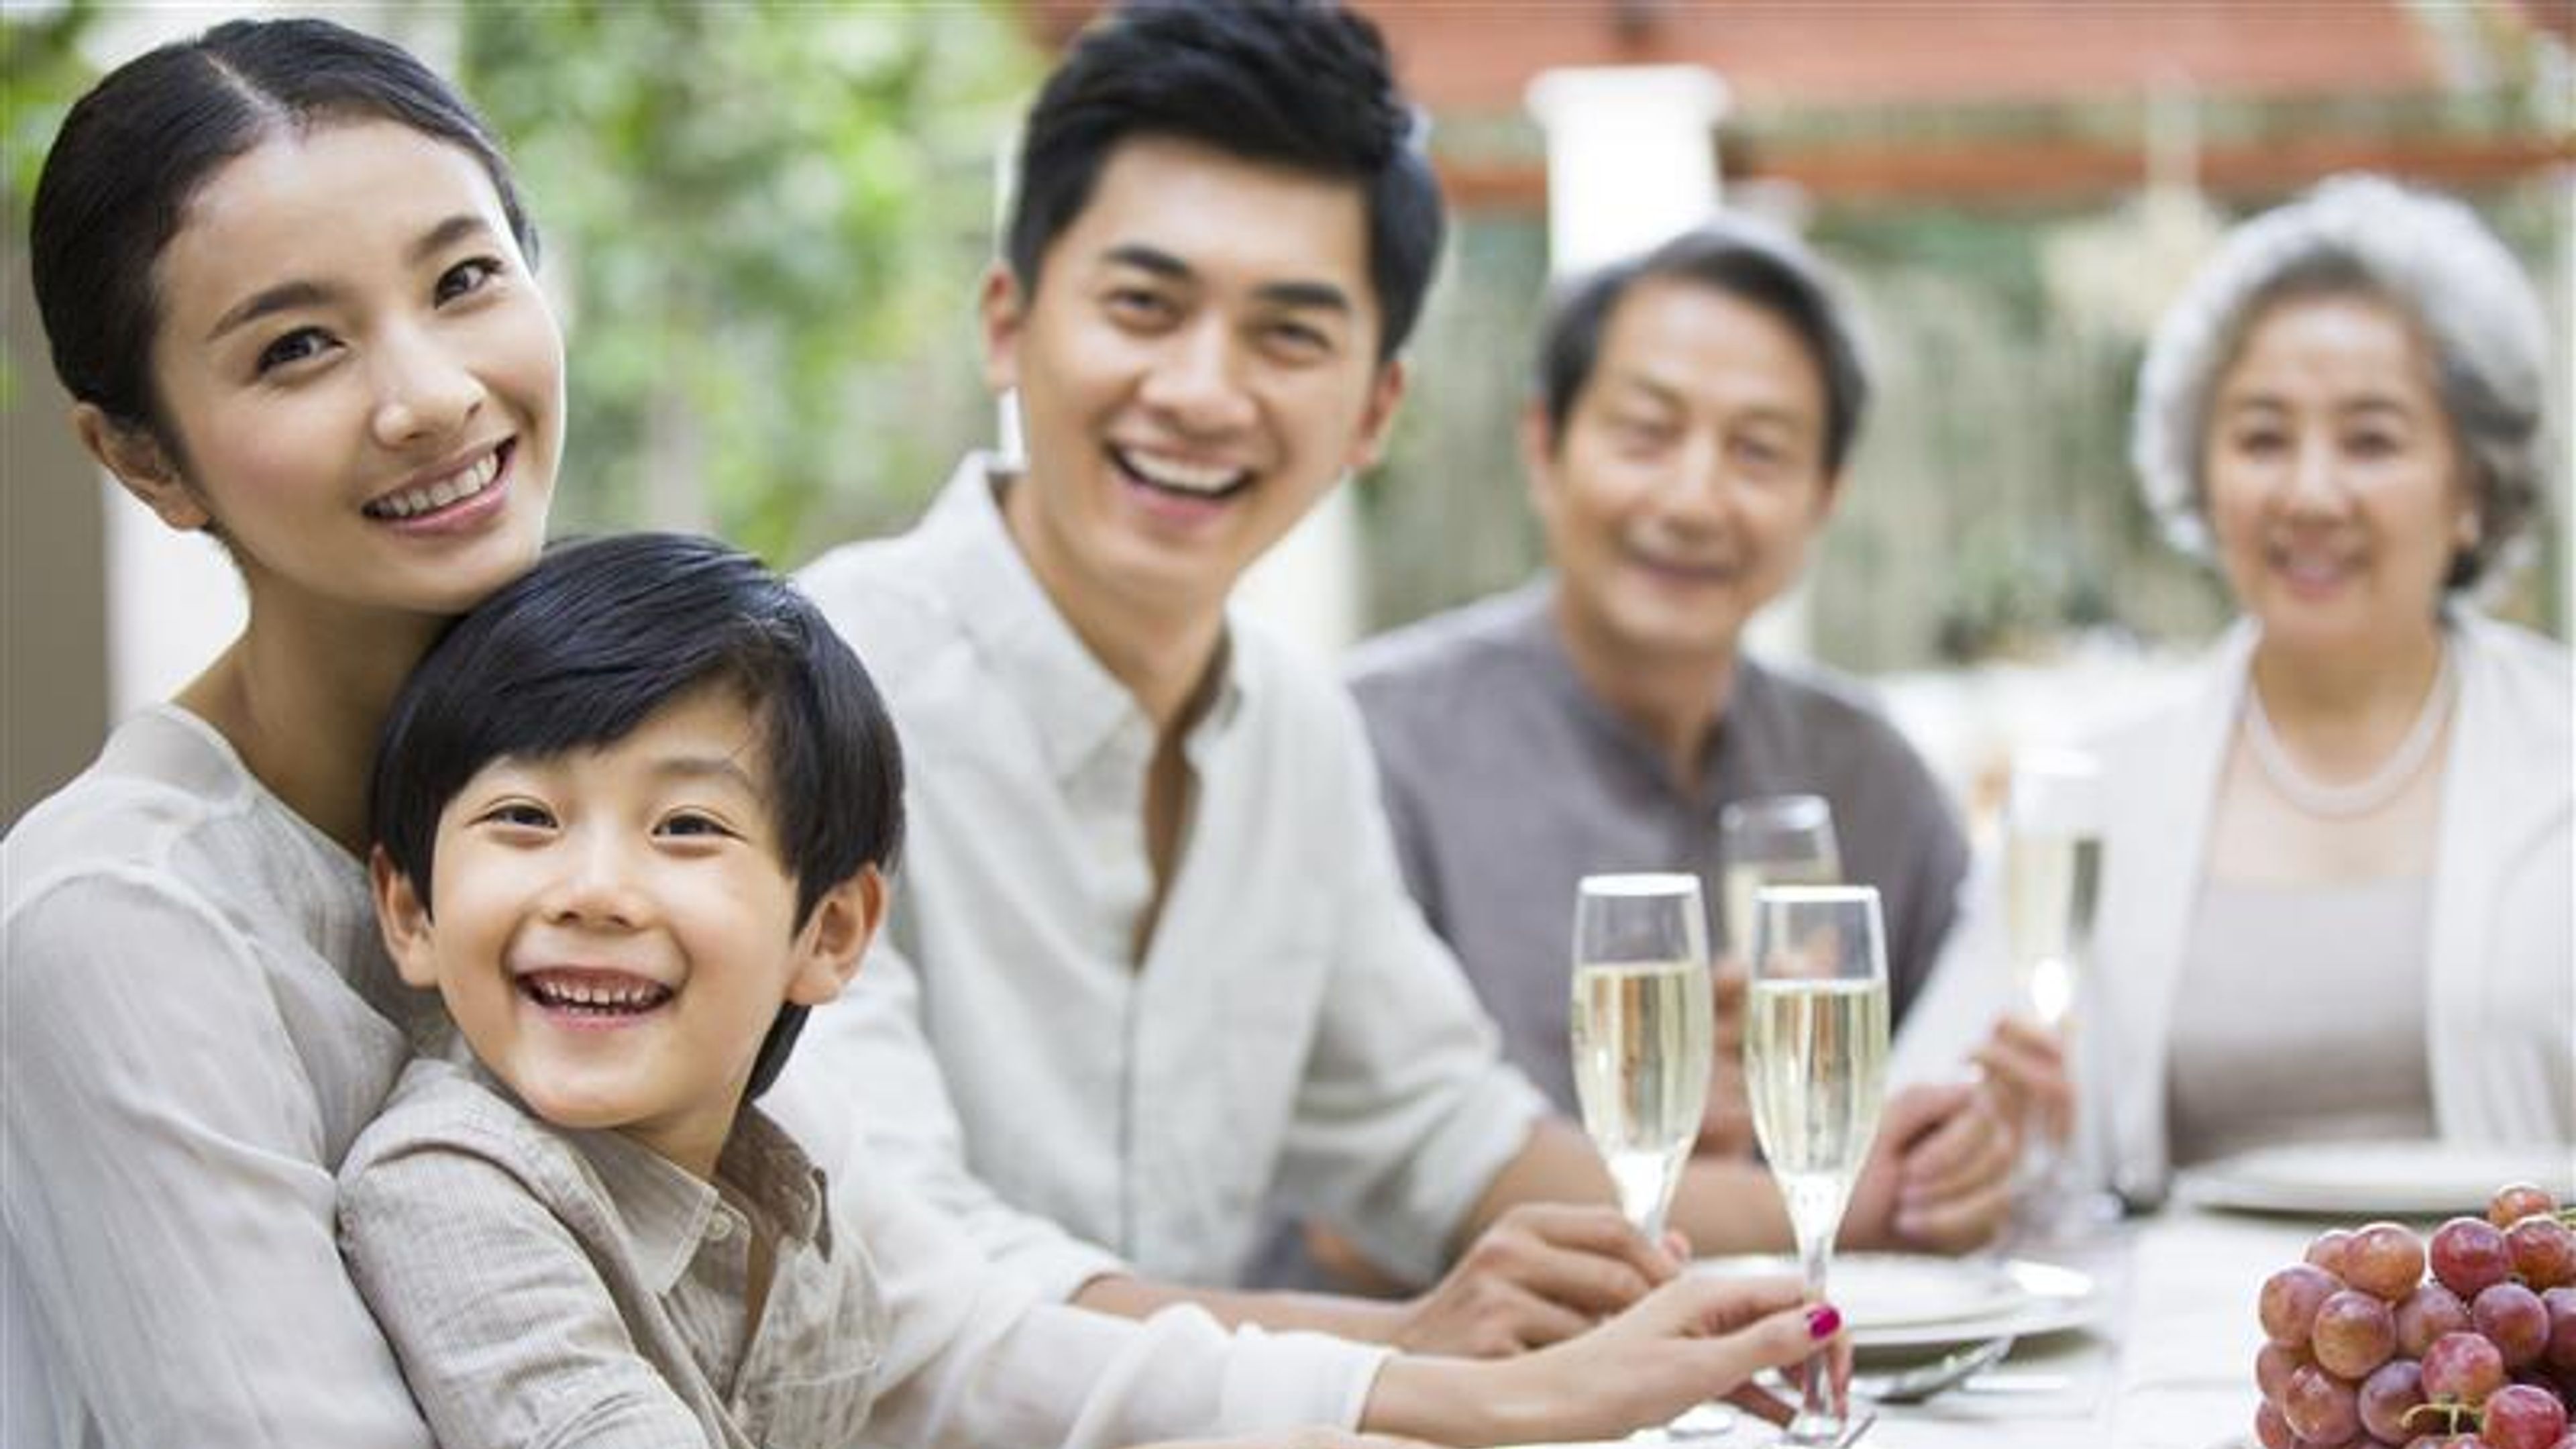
[199, 1019]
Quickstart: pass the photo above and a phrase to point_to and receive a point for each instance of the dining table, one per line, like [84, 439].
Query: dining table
[2164, 1358]
[2166, 1361]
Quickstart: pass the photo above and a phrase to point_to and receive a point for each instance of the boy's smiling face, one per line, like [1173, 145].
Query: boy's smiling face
[614, 929]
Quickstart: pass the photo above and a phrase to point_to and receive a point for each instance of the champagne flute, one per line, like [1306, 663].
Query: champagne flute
[1764, 840]
[1641, 1031]
[1815, 1056]
[2052, 877]
[2052, 873]
[1772, 840]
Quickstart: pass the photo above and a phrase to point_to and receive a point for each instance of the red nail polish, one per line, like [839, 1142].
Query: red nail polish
[1823, 1321]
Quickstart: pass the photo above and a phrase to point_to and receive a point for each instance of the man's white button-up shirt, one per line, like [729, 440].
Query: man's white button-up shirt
[1294, 1034]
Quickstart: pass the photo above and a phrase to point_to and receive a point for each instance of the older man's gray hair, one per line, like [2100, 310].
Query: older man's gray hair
[2431, 257]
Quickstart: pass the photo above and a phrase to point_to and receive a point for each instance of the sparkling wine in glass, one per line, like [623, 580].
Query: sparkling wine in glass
[1772, 840]
[1642, 1026]
[2052, 877]
[2052, 874]
[1815, 1061]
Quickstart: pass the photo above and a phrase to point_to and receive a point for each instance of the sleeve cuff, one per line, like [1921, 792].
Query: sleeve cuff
[1279, 1379]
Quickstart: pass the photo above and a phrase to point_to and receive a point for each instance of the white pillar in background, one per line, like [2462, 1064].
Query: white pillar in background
[1631, 156]
[173, 599]
[1632, 160]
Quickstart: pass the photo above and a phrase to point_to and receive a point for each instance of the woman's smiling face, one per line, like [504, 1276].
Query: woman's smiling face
[2336, 488]
[360, 385]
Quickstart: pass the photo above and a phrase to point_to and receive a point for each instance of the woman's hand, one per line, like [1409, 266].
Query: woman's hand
[2026, 1062]
[1694, 1339]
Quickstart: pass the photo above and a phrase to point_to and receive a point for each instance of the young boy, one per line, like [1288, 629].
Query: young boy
[632, 820]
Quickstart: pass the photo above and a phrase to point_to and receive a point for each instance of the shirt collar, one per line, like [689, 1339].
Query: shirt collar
[1533, 626]
[764, 1163]
[1080, 706]
[663, 1211]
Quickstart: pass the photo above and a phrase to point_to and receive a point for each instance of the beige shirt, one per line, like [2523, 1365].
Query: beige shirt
[1293, 1029]
[2298, 1017]
[545, 1287]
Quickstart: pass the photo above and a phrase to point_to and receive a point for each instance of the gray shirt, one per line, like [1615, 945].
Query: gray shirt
[1507, 781]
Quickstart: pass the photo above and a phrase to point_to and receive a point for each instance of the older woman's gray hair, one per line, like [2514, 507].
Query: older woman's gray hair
[2431, 257]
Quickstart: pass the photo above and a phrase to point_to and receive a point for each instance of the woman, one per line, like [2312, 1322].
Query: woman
[286, 279]
[2337, 873]
[285, 276]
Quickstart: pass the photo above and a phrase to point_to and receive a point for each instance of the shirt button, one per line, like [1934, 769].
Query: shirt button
[719, 1227]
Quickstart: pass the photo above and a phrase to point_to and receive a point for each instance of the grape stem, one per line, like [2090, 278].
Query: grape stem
[2449, 1411]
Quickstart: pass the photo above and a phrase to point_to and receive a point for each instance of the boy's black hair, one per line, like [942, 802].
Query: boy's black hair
[1733, 254]
[585, 647]
[1299, 83]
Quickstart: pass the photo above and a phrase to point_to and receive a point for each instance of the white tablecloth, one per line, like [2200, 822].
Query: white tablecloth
[2167, 1364]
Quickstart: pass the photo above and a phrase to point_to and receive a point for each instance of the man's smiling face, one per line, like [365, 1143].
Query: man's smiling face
[1196, 366]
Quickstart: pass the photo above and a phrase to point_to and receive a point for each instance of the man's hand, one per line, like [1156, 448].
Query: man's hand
[1940, 1175]
[1294, 1440]
[1726, 1122]
[1544, 1272]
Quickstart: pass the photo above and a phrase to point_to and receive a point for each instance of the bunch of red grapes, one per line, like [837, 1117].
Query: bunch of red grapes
[2364, 1350]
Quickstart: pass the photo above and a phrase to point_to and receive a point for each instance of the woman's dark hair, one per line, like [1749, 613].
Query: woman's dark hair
[1299, 83]
[584, 648]
[1744, 258]
[134, 151]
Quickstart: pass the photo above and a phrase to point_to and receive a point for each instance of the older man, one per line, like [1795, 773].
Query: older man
[1694, 411]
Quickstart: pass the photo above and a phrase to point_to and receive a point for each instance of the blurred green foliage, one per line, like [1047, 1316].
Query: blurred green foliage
[41, 73]
[767, 221]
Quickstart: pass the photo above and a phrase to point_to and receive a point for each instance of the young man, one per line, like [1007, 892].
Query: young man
[1153, 963]
[634, 813]
[1693, 411]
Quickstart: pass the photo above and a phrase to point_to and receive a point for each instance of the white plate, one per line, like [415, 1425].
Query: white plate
[1907, 1301]
[2374, 1179]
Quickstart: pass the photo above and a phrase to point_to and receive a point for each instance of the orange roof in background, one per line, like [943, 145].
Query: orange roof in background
[1477, 56]
[1480, 56]
[1784, 59]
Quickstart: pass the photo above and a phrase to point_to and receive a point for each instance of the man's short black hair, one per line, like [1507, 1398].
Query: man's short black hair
[1298, 83]
[1744, 258]
[581, 650]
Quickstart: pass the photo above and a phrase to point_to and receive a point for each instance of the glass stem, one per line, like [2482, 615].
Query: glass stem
[1815, 1248]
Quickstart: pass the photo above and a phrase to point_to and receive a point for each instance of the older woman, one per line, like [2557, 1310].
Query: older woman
[2337, 899]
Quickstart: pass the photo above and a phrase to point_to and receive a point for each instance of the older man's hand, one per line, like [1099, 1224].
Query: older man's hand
[1940, 1176]
[1726, 1121]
